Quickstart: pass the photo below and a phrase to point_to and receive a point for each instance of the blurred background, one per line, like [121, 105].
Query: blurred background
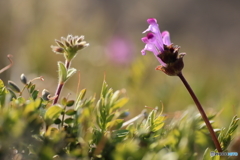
[208, 31]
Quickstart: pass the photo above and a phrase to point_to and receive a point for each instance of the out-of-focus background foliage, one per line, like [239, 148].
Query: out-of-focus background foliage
[208, 31]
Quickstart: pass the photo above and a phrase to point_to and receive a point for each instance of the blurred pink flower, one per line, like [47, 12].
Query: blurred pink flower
[119, 50]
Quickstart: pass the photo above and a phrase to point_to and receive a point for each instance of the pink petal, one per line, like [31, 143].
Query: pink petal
[166, 38]
[152, 21]
[153, 27]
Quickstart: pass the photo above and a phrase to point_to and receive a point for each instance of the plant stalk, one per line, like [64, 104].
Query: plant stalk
[60, 84]
[202, 112]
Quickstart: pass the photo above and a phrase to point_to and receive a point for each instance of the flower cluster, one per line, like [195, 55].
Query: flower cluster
[165, 52]
[69, 46]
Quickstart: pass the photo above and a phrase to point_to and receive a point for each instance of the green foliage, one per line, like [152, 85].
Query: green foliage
[62, 72]
[225, 137]
[3, 93]
[34, 127]
[52, 113]
[84, 128]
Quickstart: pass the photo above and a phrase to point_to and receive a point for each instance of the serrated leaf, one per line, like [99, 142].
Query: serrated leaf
[69, 120]
[70, 112]
[53, 112]
[62, 72]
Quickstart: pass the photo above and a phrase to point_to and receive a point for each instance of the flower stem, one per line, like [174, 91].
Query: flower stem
[60, 84]
[202, 112]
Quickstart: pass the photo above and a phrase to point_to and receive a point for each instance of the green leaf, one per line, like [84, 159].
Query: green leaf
[62, 72]
[80, 97]
[57, 121]
[32, 87]
[225, 137]
[122, 133]
[13, 86]
[70, 112]
[110, 117]
[35, 94]
[3, 93]
[115, 124]
[207, 155]
[32, 106]
[70, 103]
[115, 96]
[64, 101]
[118, 104]
[69, 120]
[119, 135]
[53, 112]
[71, 72]
[81, 94]
[104, 89]
[158, 123]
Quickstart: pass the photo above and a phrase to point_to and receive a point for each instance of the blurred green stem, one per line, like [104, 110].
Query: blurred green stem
[63, 116]
[202, 112]
[61, 84]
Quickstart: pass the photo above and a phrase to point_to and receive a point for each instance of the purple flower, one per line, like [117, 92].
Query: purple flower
[155, 40]
[161, 46]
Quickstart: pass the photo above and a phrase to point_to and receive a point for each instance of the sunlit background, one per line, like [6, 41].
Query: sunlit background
[208, 31]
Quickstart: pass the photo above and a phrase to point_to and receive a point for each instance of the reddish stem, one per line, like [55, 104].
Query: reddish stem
[60, 84]
[202, 112]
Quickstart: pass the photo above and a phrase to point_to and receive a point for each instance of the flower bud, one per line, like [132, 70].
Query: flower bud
[45, 95]
[23, 79]
[69, 46]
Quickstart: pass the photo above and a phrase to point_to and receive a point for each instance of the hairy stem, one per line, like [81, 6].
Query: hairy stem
[60, 84]
[202, 112]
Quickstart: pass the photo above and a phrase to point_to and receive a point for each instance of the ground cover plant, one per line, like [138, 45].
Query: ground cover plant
[42, 125]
